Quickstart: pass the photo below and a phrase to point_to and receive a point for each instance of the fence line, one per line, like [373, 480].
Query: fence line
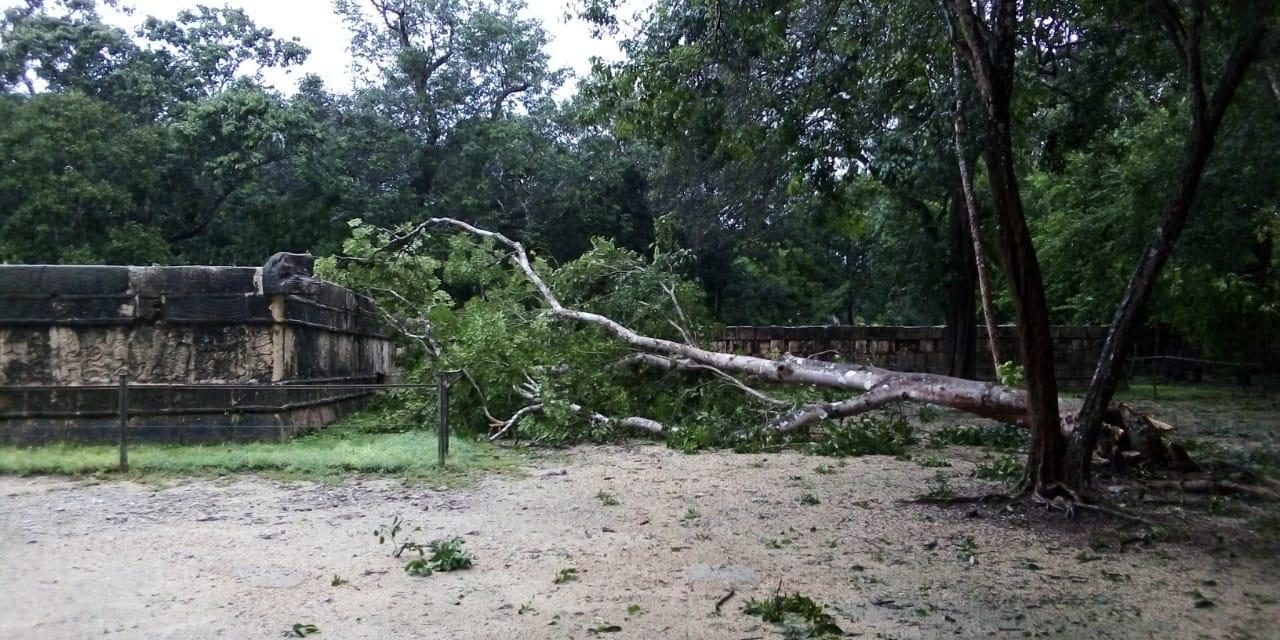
[126, 410]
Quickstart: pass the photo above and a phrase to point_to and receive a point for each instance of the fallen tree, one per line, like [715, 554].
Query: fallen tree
[875, 387]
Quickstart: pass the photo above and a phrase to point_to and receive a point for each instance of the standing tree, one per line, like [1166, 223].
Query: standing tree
[988, 45]
[1246, 25]
[432, 65]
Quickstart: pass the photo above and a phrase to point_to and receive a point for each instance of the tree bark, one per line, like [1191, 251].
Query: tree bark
[960, 337]
[989, 51]
[971, 216]
[1206, 119]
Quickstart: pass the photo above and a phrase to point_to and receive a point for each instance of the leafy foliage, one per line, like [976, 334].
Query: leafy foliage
[1006, 437]
[1006, 470]
[486, 318]
[799, 614]
[887, 435]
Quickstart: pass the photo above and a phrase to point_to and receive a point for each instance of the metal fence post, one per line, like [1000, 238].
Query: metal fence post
[442, 420]
[124, 423]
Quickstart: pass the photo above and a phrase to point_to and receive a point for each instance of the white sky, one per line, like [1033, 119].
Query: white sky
[314, 24]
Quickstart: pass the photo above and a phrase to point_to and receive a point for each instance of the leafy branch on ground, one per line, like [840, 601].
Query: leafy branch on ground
[798, 614]
[446, 554]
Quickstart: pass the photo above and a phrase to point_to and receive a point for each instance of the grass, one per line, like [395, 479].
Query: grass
[326, 454]
[1139, 389]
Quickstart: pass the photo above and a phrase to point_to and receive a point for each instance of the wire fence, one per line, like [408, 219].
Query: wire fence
[130, 412]
[1170, 370]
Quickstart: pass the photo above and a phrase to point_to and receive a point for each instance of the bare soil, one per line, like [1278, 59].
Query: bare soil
[249, 558]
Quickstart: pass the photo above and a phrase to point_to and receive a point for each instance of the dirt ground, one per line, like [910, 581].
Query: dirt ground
[249, 558]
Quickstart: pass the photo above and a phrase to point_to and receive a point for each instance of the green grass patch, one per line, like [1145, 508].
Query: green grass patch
[328, 453]
[1140, 389]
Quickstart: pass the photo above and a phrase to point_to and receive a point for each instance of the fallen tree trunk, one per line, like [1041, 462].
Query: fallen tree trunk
[875, 387]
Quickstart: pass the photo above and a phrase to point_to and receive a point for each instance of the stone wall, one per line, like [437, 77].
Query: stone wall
[67, 330]
[917, 349]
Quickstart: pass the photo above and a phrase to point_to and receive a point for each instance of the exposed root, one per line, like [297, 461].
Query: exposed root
[1115, 513]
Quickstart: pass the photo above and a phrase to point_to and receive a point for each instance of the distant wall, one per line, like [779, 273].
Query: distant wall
[917, 349]
[64, 328]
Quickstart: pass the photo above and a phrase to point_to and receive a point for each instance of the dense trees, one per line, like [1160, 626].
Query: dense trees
[164, 145]
[782, 161]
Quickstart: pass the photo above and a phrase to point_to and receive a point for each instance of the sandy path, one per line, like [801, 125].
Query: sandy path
[248, 558]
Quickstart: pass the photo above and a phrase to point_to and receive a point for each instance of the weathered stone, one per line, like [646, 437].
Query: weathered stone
[62, 328]
[289, 274]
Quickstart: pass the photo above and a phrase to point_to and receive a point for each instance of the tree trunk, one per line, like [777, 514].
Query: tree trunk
[1206, 119]
[989, 51]
[961, 335]
[971, 216]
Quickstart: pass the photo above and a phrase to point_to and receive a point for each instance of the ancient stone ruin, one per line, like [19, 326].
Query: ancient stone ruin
[251, 347]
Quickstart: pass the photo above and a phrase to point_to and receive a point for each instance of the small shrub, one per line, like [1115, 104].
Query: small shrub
[933, 462]
[967, 550]
[940, 488]
[803, 617]
[418, 568]
[607, 499]
[809, 499]
[568, 574]
[446, 555]
[1006, 470]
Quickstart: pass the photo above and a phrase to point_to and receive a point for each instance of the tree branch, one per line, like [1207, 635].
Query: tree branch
[985, 399]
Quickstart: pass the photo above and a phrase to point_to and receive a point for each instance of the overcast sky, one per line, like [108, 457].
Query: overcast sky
[317, 28]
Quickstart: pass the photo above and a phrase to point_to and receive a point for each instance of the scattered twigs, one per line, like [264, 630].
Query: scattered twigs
[515, 418]
[683, 325]
[990, 498]
[721, 602]
[1115, 513]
